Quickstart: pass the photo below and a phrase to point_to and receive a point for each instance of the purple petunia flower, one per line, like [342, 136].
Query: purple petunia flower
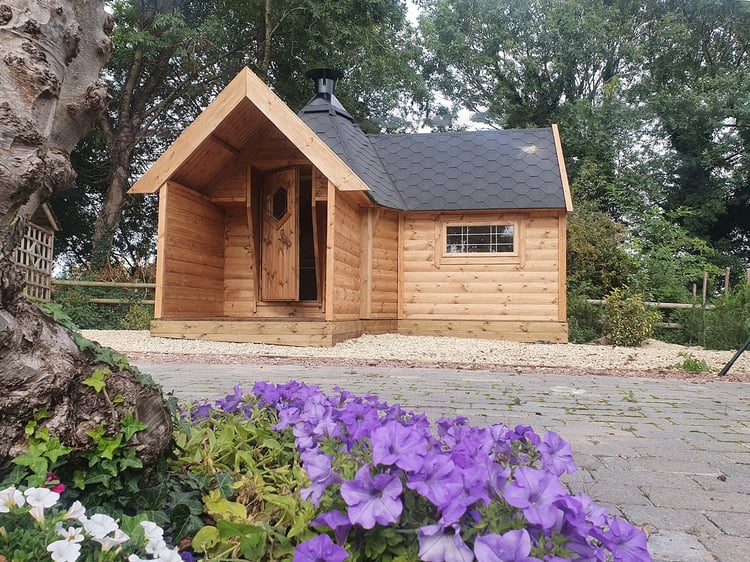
[321, 474]
[336, 521]
[437, 479]
[513, 546]
[474, 488]
[371, 500]
[438, 543]
[394, 443]
[359, 419]
[626, 542]
[232, 401]
[319, 549]
[534, 491]
[202, 411]
[556, 454]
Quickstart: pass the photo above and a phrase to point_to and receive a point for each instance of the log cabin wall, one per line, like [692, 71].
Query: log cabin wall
[384, 265]
[524, 287]
[345, 243]
[190, 275]
[239, 265]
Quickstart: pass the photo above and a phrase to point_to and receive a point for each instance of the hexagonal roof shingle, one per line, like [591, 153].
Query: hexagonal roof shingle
[460, 170]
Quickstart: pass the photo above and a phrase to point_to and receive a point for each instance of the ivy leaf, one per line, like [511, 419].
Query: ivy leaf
[96, 380]
[131, 426]
[83, 343]
[108, 445]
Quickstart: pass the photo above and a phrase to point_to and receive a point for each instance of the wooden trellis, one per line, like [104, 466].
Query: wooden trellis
[34, 255]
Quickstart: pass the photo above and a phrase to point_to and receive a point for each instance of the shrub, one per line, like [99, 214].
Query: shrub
[626, 319]
[138, 317]
[584, 320]
[728, 325]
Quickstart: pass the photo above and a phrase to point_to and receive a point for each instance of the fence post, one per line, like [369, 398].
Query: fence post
[705, 287]
[726, 279]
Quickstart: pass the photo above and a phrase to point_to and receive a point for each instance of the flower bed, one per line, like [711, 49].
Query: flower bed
[288, 472]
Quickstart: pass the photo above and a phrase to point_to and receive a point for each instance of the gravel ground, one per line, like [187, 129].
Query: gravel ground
[654, 359]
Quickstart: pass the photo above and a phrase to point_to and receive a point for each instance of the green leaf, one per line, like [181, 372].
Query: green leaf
[108, 445]
[35, 463]
[96, 380]
[131, 426]
[184, 521]
[251, 538]
[206, 539]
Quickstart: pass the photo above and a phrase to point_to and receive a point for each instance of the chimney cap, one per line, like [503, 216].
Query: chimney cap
[326, 73]
[325, 100]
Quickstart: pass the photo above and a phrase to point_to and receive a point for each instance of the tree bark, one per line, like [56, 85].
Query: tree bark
[51, 52]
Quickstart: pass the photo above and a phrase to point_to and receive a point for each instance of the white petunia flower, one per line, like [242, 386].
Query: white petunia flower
[99, 525]
[155, 546]
[41, 497]
[76, 511]
[64, 551]
[152, 530]
[37, 512]
[10, 497]
[73, 534]
[109, 542]
[136, 558]
[167, 555]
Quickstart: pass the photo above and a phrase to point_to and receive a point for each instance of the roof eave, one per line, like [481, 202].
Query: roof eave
[563, 171]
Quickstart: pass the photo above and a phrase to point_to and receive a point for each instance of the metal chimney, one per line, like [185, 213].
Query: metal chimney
[325, 99]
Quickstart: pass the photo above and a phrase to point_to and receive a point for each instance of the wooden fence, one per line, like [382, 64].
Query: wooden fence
[109, 285]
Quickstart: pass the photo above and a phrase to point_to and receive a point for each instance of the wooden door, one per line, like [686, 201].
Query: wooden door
[280, 249]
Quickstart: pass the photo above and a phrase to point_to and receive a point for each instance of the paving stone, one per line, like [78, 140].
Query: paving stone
[700, 499]
[727, 549]
[731, 523]
[666, 518]
[675, 546]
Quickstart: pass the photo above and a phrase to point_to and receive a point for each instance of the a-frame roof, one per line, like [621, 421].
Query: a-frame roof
[245, 108]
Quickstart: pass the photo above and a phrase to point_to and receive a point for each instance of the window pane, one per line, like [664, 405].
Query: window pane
[490, 238]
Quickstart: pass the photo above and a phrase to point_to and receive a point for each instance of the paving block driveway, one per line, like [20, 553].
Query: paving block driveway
[671, 456]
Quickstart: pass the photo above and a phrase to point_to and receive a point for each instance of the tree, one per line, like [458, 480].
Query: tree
[697, 88]
[52, 55]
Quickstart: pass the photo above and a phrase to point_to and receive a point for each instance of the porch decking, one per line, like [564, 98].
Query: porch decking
[317, 333]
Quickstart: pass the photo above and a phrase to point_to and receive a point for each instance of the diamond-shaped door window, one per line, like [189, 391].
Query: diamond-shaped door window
[279, 204]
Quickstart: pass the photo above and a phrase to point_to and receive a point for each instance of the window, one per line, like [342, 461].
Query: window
[479, 239]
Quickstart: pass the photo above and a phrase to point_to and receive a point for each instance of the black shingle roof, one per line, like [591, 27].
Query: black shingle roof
[472, 170]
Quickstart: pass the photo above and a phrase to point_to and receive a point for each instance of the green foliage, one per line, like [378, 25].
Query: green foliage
[597, 261]
[138, 317]
[691, 363]
[670, 258]
[584, 320]
[251, 477]
[44, 454]
[728, 325]
[626, 320]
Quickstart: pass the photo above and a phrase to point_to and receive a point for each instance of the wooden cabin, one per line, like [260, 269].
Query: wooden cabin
[34, 254]
[300, 229]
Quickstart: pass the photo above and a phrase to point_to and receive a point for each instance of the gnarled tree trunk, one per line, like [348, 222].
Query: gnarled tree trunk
[51, 52]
